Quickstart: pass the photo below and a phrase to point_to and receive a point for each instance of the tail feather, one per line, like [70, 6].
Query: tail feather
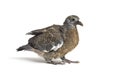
[24, 47]
[20, 49]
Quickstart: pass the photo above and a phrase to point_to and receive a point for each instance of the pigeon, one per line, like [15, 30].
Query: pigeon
[54, 42]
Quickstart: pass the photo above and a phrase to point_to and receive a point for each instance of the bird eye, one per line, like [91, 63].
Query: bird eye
[73, 19]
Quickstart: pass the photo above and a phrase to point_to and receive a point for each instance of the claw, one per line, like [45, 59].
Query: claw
[69, 61]
[56, 63]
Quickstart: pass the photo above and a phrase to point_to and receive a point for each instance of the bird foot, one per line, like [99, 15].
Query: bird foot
[69, 61]
[56, 63]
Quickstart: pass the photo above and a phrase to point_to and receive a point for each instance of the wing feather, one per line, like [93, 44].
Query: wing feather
[50, 40]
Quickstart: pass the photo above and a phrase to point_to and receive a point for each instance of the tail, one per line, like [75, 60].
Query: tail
[24, 47]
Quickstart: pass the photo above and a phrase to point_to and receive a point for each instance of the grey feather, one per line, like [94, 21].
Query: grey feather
[47, 39]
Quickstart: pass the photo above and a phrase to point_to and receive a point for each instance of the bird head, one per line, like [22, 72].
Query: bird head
[72, 20]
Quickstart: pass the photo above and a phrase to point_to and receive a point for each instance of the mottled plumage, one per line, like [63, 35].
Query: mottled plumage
[46, 39]
[54, 42]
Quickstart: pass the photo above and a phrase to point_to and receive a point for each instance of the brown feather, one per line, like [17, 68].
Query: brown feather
[69, 44]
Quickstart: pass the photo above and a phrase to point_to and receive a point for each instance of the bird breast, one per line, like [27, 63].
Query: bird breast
[70, 43]
[72, 39]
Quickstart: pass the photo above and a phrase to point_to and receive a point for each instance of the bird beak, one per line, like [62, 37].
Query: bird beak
[79, 23]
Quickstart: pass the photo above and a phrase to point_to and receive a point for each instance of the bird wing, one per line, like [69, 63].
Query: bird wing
[50, 40]
[36, 32]
[40, 31]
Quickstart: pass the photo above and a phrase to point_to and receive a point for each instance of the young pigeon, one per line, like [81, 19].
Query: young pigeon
[54, 42]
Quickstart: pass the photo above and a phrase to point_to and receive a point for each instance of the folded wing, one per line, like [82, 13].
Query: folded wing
[47, 39]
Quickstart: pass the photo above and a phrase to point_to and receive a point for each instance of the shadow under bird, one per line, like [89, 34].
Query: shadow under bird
[54, 42]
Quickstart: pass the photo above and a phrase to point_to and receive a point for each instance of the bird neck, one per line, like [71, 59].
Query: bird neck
[69, 26]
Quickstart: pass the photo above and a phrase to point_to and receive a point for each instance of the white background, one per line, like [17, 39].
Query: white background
[99, 47]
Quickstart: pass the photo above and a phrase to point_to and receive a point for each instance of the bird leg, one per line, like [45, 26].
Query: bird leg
[54, 62]
[68, 61]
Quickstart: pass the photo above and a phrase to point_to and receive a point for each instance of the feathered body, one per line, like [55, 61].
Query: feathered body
[55, 42]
